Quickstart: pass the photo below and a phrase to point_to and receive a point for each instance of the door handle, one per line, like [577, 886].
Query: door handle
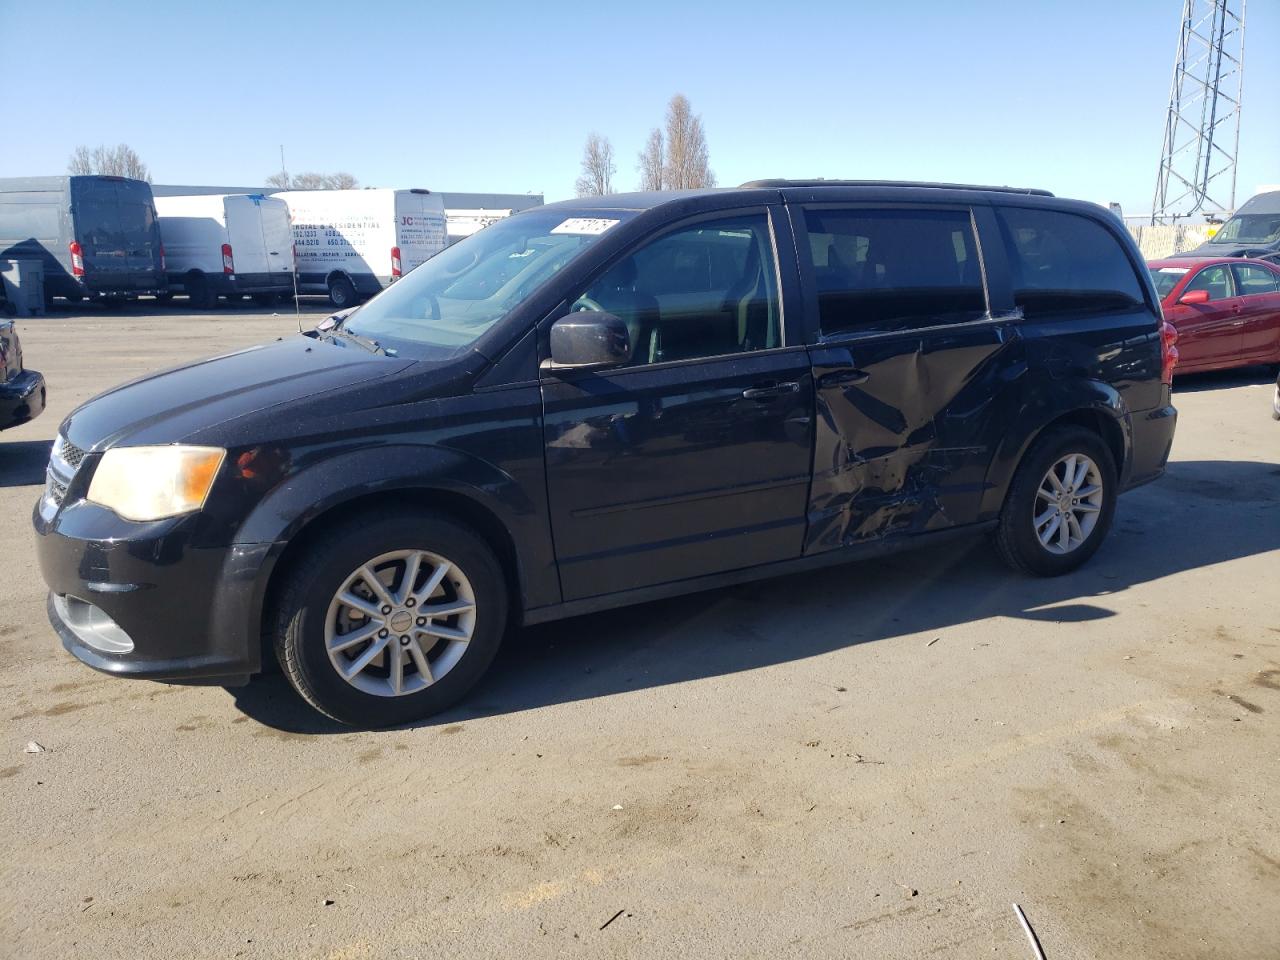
[844, 378]
[771, 391]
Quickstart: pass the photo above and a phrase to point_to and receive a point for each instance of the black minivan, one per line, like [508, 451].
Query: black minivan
[602, 402]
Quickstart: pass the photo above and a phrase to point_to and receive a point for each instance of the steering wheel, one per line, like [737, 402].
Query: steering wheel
[584, 303]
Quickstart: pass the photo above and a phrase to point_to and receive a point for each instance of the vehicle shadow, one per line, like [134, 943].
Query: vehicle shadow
[1231, 505]
[22, 462]
[1223, 379]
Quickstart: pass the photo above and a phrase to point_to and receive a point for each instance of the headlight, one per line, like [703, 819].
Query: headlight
[151, 483]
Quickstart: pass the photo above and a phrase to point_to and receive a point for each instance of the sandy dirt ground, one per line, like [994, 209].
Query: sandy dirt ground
[870, 761]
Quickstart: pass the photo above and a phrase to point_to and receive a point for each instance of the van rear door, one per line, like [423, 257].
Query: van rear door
[244, 233]
[419, 228]
[277, 237]
[95, 210]
[140, 234]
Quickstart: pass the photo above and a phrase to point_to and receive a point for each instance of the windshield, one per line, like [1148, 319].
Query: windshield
[1250, 228]
[1166, 278]
[458, 294]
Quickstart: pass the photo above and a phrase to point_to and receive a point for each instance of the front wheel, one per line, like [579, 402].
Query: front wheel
[1060, 504]
[391, 618]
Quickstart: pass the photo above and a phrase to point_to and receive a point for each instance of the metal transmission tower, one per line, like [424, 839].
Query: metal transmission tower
[1202, 130]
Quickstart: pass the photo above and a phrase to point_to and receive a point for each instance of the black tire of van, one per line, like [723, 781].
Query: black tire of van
[265, 299]
[302, 607]
[1015, 536]
[342, 293]
[200, 292]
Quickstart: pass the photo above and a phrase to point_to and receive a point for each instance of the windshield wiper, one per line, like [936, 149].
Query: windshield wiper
[373, 346]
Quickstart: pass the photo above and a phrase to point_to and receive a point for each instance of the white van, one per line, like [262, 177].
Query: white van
[227, 245]
[353, 243]
[463, 223]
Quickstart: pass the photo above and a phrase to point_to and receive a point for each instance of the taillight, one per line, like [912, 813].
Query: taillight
[77, 259]
[228, 265]
[162, 257]
[395, 263]
[1168, 351]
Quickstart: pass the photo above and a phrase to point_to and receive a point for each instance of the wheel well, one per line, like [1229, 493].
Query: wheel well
[454, 505]
[1098, 422]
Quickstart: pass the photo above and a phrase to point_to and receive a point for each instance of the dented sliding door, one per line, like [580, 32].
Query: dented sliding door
[915, 377]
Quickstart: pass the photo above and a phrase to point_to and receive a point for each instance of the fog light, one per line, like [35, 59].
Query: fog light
[92, 626]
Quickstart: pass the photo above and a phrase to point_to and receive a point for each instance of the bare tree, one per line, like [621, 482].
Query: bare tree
[118, 161]
[598, 167]
[313, 181]
[652, 162]
[686, 164]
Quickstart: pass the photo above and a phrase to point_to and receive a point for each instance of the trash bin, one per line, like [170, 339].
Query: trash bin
[24, 286]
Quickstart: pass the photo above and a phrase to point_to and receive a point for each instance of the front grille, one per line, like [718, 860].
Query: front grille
[64, 461]
[54, 488]
[71, 454]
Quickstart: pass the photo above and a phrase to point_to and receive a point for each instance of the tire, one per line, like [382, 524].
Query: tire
[165, 298]
[1017, 538]
[309, 618]
[265, 299]
[342, 293]
[200, 292]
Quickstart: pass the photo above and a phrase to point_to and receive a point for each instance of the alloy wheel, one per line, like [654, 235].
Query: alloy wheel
[400, 622]
[1068, 503]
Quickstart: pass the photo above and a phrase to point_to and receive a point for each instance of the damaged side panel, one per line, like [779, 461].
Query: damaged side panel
[905, 428]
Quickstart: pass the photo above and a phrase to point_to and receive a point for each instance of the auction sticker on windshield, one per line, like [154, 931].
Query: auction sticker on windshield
[584, 226]
[1178, 270]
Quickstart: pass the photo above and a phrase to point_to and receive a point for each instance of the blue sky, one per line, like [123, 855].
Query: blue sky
[500, 96]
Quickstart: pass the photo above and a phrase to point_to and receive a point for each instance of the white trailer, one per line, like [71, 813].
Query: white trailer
[227, 245]
[463, 223]
[353, 243]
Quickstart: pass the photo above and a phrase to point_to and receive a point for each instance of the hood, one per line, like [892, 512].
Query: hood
[170, 406]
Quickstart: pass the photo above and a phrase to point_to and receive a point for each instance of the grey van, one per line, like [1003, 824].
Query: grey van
[97, 237]
[1254, 231]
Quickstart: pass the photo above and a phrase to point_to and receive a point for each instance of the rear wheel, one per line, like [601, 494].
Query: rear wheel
[342, 293]
[200, 292]
[391, 618]
[265, 299]
[1060, 504]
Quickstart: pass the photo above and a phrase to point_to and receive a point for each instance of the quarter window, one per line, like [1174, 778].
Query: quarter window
[886, 270]
[1066, 263]
[1251, 280]
[706, 290]
[1217, 280]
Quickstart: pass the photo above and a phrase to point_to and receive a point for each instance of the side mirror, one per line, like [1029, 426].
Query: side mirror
[590, 339]
[1193, 297]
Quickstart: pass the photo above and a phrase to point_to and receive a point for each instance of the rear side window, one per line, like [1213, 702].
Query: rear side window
[1251, 280]
[1066, 263]
[886, 270]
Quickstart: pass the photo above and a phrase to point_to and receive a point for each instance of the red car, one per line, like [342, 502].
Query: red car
[1226, 310]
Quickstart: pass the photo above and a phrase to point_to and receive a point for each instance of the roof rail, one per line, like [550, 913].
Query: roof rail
[779, 183]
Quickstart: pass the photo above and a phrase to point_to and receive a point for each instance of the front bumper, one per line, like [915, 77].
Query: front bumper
[144, 600]
[21, 399]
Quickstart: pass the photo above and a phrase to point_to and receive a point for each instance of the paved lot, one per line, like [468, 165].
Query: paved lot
[872, 761]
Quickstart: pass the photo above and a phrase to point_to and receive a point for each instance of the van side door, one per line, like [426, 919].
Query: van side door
[911, 367]
[693, 458]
